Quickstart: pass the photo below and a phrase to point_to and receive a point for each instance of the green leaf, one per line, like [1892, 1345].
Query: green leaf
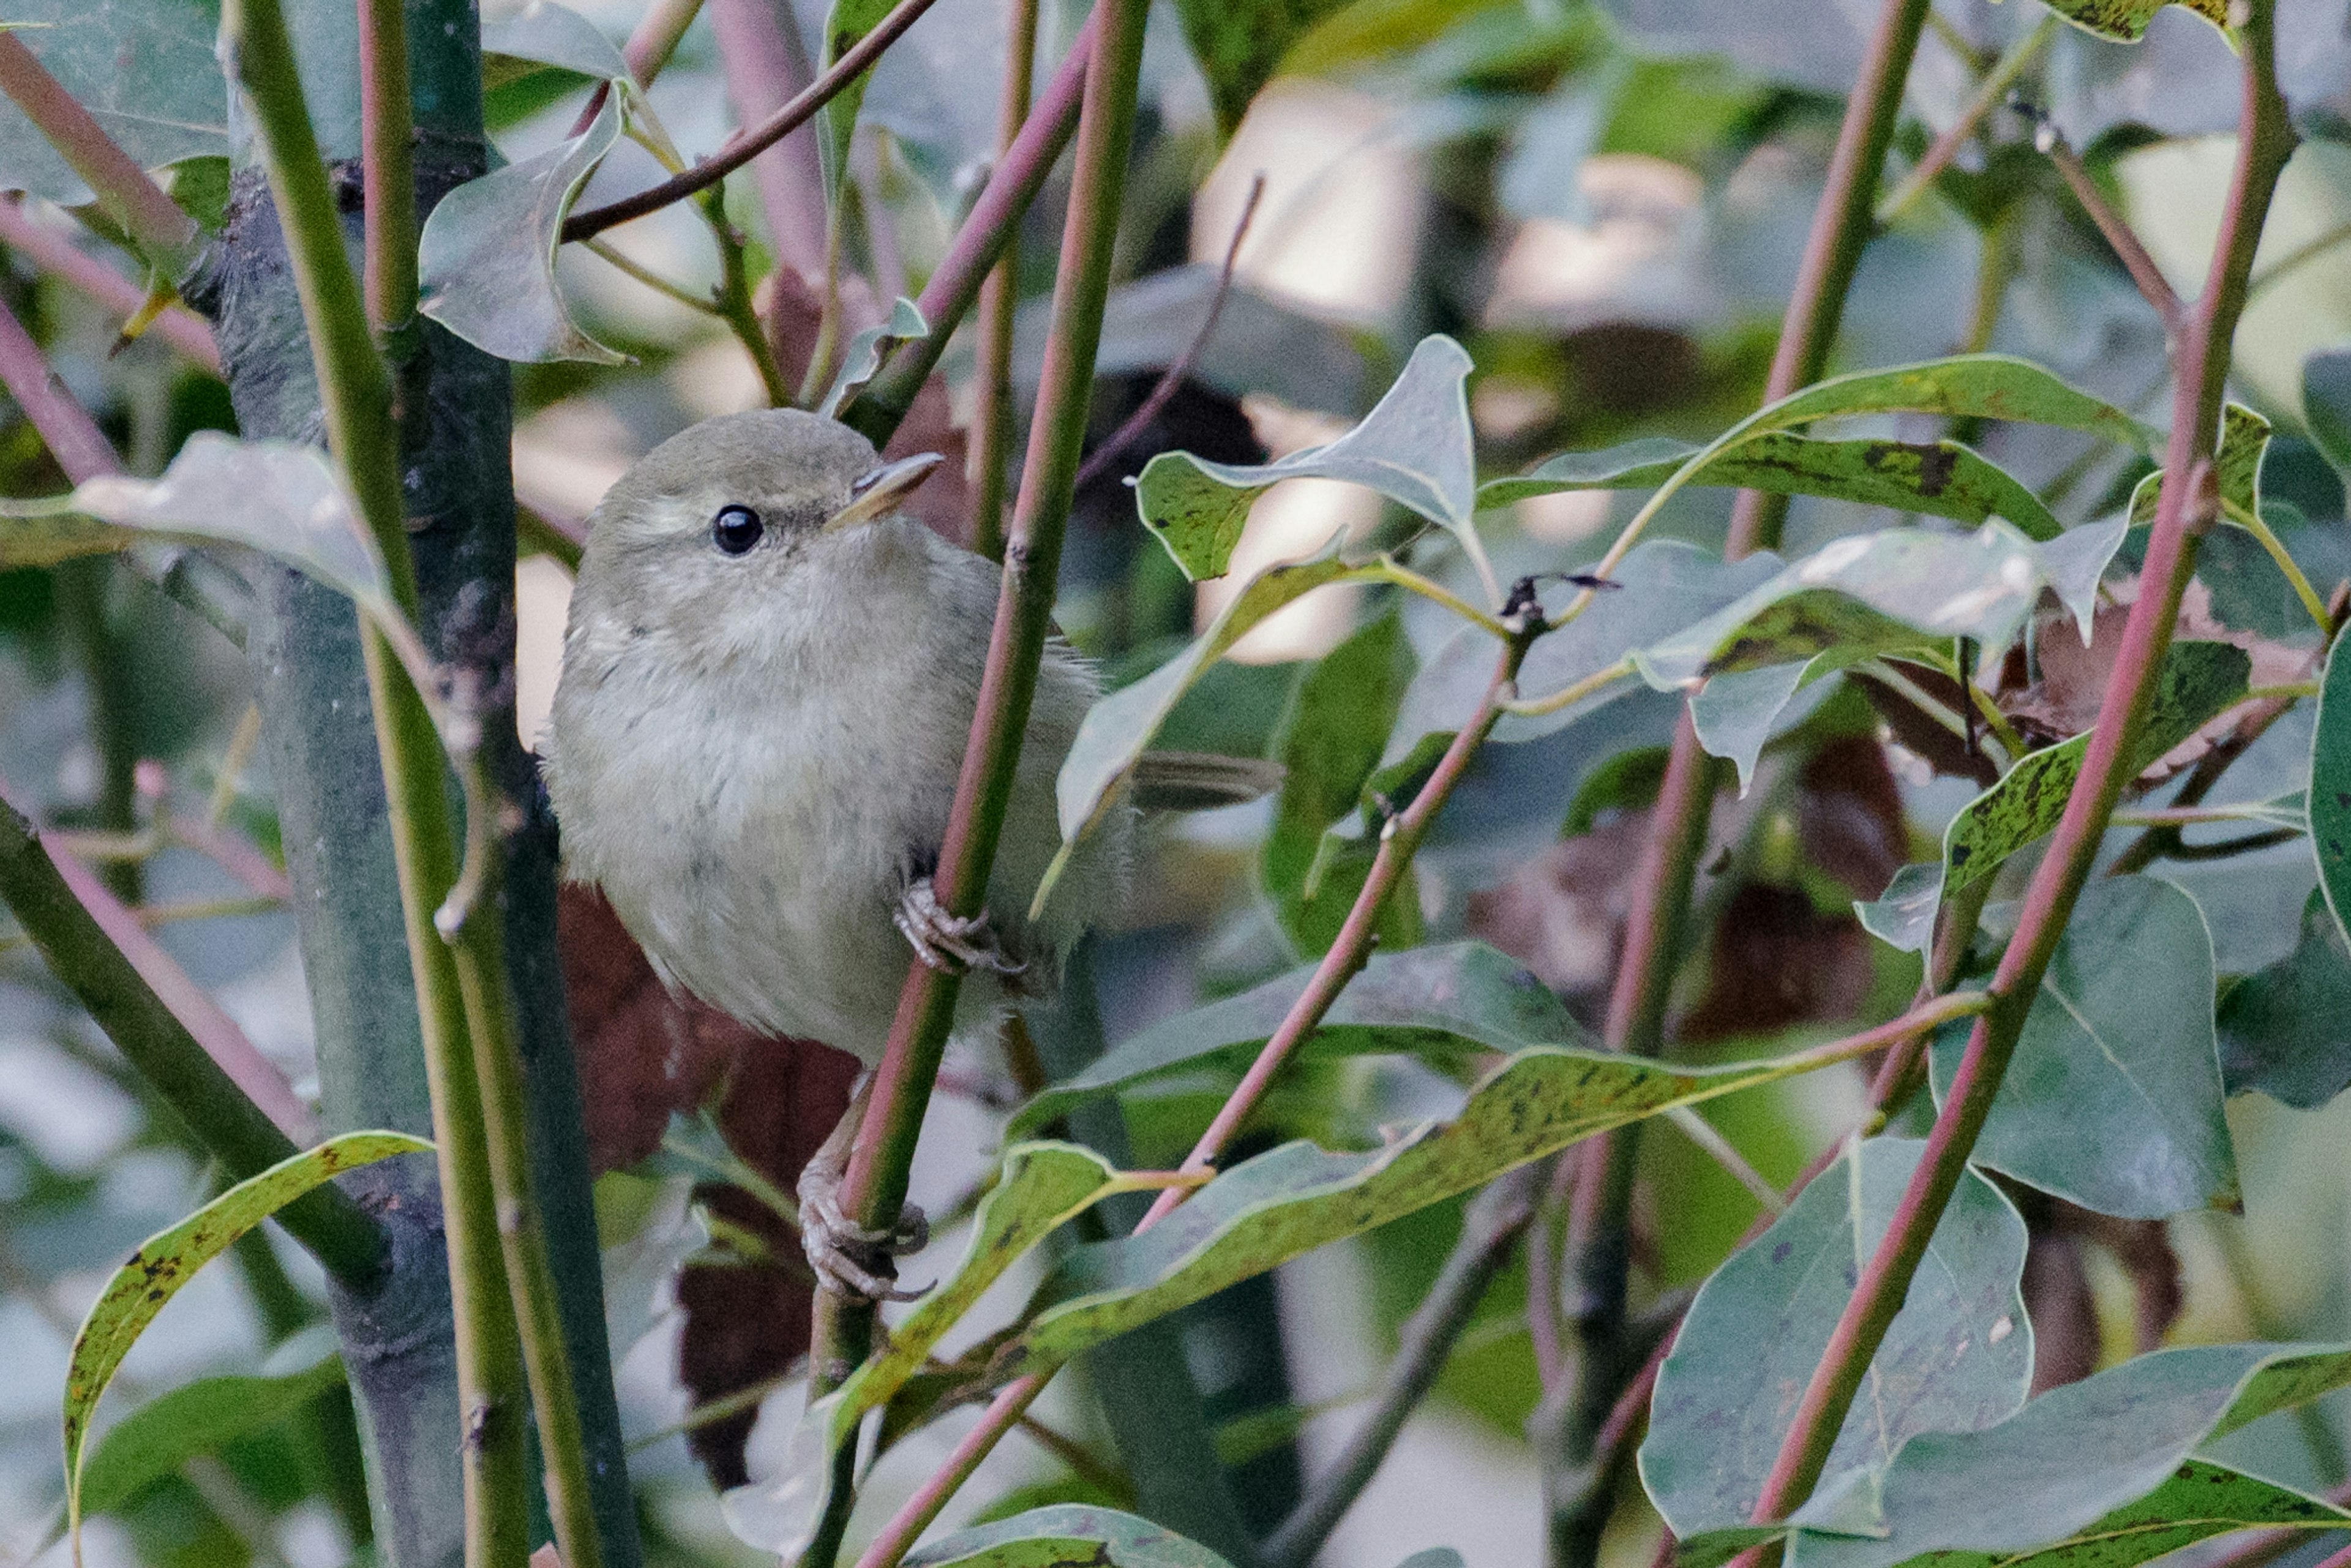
[866, 350]
[1065, 1536]
[550, 35]
[844, 25]
[2113, 1099]
[2127, 20]
[1238, 44]
[486, 258]
[168, 1260]
[2286, 1030]
[1296, 1198]
[1959, 1356]
[1733, 714]
[1942, 478]
[1628, 782]
[2327, 403]
[2236, 470]
[1329, 743]
[2330, 787]
[1413, 447]
[1451, 1003]
[2072, 1457]
[155, 1440]
[145, 70]
[1119, 728]
[2197, 1501]
[1982, 386]
[2198, 681]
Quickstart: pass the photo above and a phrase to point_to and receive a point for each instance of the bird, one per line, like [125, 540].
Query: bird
[768, 678]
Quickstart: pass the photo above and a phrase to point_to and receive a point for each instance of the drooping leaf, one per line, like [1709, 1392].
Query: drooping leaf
[486, 257]
[161, 1435]
[1119, 728]
[2286, 1029]
[868, 348]
[2074, 1457]
[2197, 680]
[2326, 404]
[1296, 1198]
[2113, 1099]
[1958, 1357]
[2127, 20]
[1451, 1003]
[844, 24]
[1413, 447]
[1063, 1535]
[168, 1260]
[1329, 743]
[1239, 42]
[1733, 714]
[145, 69]
[546, 33]
[1983, 386]
[1942, 478]
[2330, 787]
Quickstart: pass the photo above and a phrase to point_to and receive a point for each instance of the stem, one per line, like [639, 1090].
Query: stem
[1678, 825]
[995, 218]
[2152, 285]
[37, 885]
[1000, 303]
[744, 147]
[1489, 1234]
[165, 236]
[2185, 512]
[2310, 250]
[732, 304]
[54, 254]
[621, 261]
[1946, 147]
[1003, 1414]
[387, 167]
[356, 393]
[650, 45]
[2250, 520]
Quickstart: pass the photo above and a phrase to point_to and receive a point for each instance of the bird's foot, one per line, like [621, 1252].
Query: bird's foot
[849, 1259]
[949, 942]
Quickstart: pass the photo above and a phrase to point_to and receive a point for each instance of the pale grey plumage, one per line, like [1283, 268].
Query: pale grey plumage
[753, 755]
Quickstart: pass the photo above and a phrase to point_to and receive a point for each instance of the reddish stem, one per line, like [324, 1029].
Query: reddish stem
[56, 255]
[152, 220]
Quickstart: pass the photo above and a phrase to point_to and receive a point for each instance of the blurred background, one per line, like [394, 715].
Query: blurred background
[1605, 203]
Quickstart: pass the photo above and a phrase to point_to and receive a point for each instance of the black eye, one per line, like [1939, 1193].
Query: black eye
[737, 529]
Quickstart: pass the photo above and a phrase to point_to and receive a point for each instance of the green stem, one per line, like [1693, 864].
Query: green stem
[164, 234]
[999, 301]
[2248, 520]
[356, 392]
[620, 261]
[733, 301]
[387, 167]
[1989, 94]
[2185, 512]
[346, 1240]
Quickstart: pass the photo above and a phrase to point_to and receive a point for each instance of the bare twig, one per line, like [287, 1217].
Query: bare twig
[999, 305]
[1989, 94]
[57, 256]
[1165, 388]
[2152, 285]
[746, 145]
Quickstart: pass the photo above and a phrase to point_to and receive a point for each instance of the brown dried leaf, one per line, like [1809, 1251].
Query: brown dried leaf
[1916, 732]
[1563, 913]
[1775, 961]
[1849, 817]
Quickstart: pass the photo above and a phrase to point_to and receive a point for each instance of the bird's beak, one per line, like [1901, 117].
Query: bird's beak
[877, 493]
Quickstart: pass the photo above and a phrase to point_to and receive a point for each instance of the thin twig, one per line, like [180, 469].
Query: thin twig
[2153, 285]
[387, 167]
[58, 257]
[1987, 94]
[165, 236]
[2309, 250]
[1724, 1153]
[650, 45]
[999, 305]
[746, 145]
[1165, 388]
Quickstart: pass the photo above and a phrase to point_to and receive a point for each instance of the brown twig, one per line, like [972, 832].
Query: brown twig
[2152, 285]
[1164, 389]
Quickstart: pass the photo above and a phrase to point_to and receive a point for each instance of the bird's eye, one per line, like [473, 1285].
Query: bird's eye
[737, 529]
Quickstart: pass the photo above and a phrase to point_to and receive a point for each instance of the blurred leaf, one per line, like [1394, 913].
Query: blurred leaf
[2236, 470]
[145, 69]
[1238, 44]
[868, 348]
[844, 24]
[2199, 680]
[1296, 1198]
[2326, 404]
[2286, 1030]
[2127, 20]
[1733, 714]
[2113, 1099]
[1628, 782]
[1942, 478]
[2070, 1458]
[2330, 787]
[551, 34]
[1958, 1356]
[1451, 1003]
[169, 1259]
[1414, 448]
[486, 258]
[1329, 743]
[1066, 1534]
[1119, 728]
[155, 1440]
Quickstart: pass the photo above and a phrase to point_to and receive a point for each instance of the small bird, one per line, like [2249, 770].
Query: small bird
[768, 679]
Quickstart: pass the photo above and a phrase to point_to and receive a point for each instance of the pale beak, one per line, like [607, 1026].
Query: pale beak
[877, 493]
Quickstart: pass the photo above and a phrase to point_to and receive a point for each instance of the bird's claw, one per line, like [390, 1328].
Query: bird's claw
[849, 1258]
[949, 942]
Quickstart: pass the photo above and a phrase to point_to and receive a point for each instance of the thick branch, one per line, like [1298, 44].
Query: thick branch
[2186, 510]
